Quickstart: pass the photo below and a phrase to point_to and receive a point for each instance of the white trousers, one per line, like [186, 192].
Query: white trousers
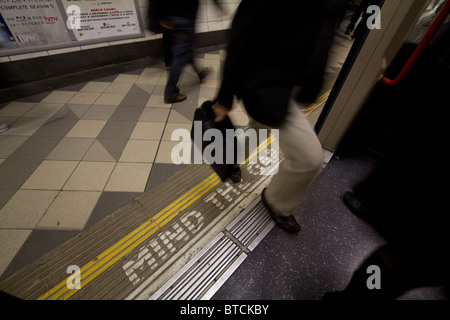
[303, 161]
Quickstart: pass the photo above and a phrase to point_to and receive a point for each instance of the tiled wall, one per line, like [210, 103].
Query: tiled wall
[209, 19]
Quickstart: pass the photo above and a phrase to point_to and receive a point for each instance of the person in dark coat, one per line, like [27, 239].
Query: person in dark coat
[179, 16]
[275, 63]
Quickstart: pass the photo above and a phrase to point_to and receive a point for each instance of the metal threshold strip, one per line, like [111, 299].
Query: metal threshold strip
[211, 267]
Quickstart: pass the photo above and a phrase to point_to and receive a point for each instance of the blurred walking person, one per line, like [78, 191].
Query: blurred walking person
[275, 63]
[180, 17]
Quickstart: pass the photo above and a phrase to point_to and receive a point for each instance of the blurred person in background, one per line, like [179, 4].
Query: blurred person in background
[179, 16]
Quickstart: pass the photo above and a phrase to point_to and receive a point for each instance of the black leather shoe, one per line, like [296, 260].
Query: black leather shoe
[236, 175]
[354, 204]
[288, 224]
[178, 98]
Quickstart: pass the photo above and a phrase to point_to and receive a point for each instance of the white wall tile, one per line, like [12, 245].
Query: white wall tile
[4, 59]
[202, 14]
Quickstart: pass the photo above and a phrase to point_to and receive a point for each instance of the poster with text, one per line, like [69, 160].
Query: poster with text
[93, 19]
[34, 22]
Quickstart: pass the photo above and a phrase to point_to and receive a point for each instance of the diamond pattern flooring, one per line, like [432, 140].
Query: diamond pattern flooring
[72, 151]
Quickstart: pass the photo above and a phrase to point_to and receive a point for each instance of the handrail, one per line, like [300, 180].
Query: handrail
[421, 47]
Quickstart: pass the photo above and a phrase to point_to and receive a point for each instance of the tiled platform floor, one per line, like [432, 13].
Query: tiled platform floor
[72, 151]
[77, 154]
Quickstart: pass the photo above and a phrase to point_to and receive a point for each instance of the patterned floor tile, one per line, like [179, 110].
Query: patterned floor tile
[26, 208]
[44, 110]
[97, 152]
[69, 211]
[148, 80]
[71, 149]
[171, 127]
[157, 101]
[55, 128]
[10, 243]
[167, 148]
[126, 78]
[127, 113]
[184, 115]
[16, 109]
[108, 203]
[110, 98]
[95, 86]
[10, 144]
[129, 177]
[99, 112]
[86, 129]
[140, 151]
[84, 97]
[154, 114]
[35, 148]
[59, 97]
[78, 110]
[50, 175]
[161, 172]
[14, 172]
[36, 97]
[148, 131]
[6, 195]
[30, 246]
[114, 147]
[90, 176]
[135, 99]
[118, 87]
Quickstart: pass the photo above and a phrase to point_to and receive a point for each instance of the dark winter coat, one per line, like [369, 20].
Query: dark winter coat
[276, 45]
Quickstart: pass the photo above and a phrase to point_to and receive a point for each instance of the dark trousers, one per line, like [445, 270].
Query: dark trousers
[183, 38]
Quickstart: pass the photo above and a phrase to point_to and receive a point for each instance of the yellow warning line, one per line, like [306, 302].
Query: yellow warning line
[317, 103]
[109, 257]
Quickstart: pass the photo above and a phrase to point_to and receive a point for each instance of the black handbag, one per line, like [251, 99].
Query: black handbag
[205, 114]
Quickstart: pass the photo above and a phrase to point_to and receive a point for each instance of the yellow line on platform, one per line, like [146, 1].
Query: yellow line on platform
[317, 103]
[110, 256]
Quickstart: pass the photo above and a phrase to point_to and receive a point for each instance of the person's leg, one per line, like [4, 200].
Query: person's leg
[303, 161]
[182, 46]
[200, 71]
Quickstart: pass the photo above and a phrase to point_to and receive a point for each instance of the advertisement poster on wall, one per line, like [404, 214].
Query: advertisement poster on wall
[100, 19]
[41, 24]
[34, 23]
